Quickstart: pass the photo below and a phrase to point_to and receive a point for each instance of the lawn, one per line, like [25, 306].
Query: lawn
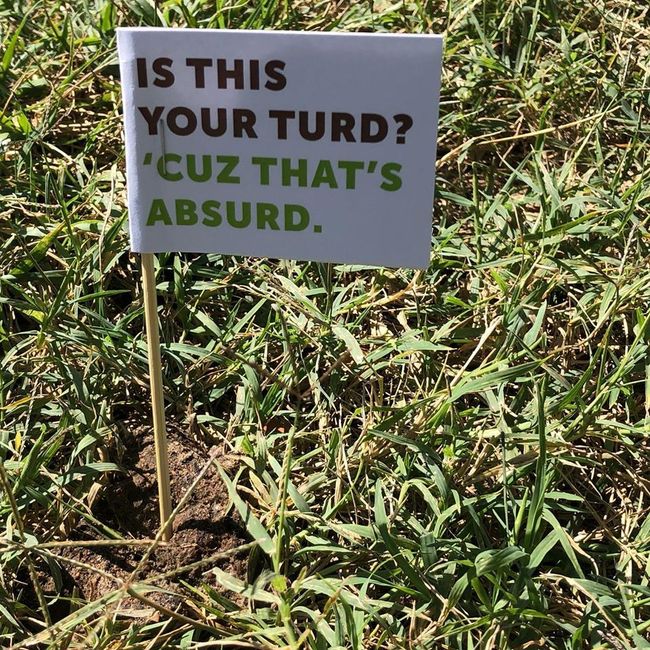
[361, 457]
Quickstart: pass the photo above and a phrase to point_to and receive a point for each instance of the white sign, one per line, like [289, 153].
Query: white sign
[311, 146]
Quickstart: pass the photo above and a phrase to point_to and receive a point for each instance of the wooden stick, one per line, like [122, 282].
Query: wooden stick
[156, 383]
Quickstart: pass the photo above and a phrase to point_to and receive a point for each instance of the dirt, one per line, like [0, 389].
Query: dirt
[129, 505]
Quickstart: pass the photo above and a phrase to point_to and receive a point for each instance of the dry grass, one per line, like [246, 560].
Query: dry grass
[455, 458]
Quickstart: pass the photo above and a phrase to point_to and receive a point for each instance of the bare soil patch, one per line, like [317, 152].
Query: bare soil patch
[129, 505]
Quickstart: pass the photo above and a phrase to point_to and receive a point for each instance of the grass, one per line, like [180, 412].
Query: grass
[455, 458]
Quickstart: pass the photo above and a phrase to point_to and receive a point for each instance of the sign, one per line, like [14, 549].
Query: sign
[311, 146]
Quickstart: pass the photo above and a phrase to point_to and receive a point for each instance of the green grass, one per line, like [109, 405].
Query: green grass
[455, 458]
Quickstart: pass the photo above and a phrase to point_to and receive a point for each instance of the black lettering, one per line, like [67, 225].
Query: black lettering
[368, 120]
[254, 73]
[243, 122]
[162, 67]
[199, 66]
[141, 66]
[224, 74]
[273, 70]
[172, 120]
[342, 125]
[222, 122]
[151, 118]
[282, 117]
[319, 128]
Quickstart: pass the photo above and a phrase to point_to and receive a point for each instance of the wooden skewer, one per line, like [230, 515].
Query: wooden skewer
[156, 383]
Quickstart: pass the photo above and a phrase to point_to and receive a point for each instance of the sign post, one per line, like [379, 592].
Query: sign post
[157, 400]
[295, 145]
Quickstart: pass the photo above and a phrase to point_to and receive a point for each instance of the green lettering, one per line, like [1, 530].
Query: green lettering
[158, 212]
[185, 212]
[229, 165]
[265, 165]
[299, 172]
[231, 214]
[267, 216]
[211, 211]
[163, 170]
[206, 172]
[296, 217]
[324, 175]
[351, 168]
[390, 173]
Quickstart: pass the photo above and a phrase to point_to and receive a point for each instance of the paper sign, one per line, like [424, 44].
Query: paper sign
[294, 145]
